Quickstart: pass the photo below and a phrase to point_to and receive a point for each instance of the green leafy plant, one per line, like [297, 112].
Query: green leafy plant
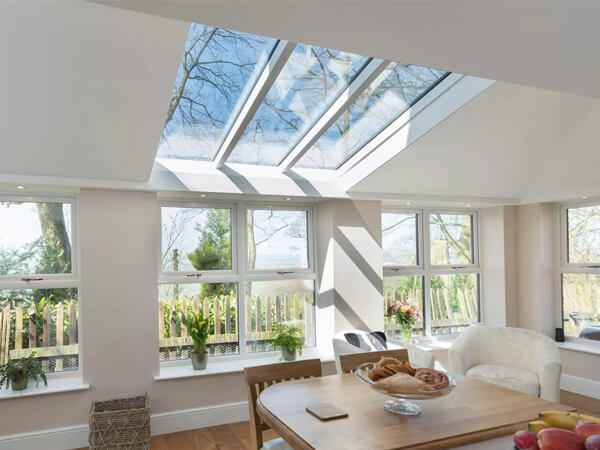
[198, 328]
[288, 337]
[29, 368]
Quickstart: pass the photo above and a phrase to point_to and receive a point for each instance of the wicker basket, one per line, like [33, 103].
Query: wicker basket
[119, 424]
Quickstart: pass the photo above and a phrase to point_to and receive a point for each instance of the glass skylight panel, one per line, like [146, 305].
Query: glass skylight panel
[310, 81]
[394, 91]
[218, 69]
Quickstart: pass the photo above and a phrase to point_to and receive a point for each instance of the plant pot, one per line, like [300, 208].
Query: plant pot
[18, 383]
[199, 360]
[288, 355]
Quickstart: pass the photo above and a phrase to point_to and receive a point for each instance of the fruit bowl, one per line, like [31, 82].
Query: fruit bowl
[398, 404]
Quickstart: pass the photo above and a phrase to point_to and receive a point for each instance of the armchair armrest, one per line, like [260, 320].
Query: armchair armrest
[550, 381]
[463, 354]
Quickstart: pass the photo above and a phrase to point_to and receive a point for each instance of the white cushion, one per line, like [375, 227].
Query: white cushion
[520, 380]
[276, 444]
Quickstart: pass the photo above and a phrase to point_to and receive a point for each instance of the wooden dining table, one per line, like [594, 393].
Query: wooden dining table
[474, 411]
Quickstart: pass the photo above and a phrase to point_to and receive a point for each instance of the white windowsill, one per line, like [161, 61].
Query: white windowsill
[579, 345]
[55, 385]
[227, 364]
[430, 344]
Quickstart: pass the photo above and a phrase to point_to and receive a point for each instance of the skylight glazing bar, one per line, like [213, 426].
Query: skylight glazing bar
[281, 53]
[360, 83]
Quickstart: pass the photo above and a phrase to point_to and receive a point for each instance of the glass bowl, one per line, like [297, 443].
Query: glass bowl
[399, 403]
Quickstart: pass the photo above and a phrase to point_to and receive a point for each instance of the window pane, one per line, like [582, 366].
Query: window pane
[311, 79]
[36, 313]
[451, 237]
[399, 235]
[454, 302]
[217, 300]
[406, 289]
[196, 239]
[218, 69]
[581, 305]
[584, 234]
[277, 239]
[387, 98]
[35, 238]
[282, 301]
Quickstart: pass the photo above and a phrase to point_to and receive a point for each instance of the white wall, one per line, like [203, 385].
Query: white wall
[351, 263]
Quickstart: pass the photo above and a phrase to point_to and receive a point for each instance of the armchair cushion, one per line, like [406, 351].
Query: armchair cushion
[520, 380]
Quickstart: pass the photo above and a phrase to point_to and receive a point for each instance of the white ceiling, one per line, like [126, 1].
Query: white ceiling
[547, 44]
[510, 144]
[84, 88]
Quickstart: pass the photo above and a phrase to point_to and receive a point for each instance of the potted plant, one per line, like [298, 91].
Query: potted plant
[287, 339]
[18, 372]
[198, 328]
[404, 314]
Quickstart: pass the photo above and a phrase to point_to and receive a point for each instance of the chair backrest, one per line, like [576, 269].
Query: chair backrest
[258, 378]
[350, 362]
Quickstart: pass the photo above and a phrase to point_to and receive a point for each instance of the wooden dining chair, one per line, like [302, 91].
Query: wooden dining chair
[351, 361]
[259, 378]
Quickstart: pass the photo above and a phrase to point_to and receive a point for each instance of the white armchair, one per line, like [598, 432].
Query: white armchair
[514, 358]
[417, 356]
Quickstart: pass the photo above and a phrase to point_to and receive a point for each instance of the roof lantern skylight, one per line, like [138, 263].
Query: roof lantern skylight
[249, 99]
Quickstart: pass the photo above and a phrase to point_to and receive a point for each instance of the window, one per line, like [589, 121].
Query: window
[580, 271]
[311, 79]
[395, 90]
[444, 282]
[200, 272]
[218, 69]
[39, 305]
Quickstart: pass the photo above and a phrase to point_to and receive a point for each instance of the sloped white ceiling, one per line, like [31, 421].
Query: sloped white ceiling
[546, 44]
[511, 143]
[84, 88]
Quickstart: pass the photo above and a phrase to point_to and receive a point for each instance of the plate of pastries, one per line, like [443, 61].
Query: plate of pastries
[398, 378]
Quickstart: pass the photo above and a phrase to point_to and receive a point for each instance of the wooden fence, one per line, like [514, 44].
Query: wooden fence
[444, 317]
[19, 333]
[261, 313]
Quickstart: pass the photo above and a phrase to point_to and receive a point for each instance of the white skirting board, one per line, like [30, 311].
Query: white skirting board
[581, 386]
[170, 422]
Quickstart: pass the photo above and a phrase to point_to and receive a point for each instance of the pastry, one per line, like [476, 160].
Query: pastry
[402, 382]
[377, 373]
[387, 361]
[434, 378]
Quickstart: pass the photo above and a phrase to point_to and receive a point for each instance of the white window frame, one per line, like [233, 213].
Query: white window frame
[425, 269]
[566, 267]
[240, 274]
[52, 281]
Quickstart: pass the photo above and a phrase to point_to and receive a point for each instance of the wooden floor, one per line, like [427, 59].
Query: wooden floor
[236, 436]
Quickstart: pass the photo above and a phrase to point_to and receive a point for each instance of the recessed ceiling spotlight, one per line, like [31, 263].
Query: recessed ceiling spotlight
[287, 199]
[202, 195]
[20, 187]
[583, 197]
[408, 203]
[468, 205]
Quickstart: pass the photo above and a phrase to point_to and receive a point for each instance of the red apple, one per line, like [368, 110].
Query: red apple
[525, 440]
[593, 442]
[557, 439]
[585, 429]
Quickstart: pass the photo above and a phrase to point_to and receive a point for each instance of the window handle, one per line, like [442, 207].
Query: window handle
[590, 266]
[459, 267]
[32, 279]
[197, 275]
[395, 269]
[284, 273]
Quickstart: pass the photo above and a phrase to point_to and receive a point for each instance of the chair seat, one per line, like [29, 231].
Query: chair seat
[520, 380]
[276, 444]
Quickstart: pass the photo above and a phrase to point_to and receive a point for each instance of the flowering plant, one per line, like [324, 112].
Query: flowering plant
[405, 314]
